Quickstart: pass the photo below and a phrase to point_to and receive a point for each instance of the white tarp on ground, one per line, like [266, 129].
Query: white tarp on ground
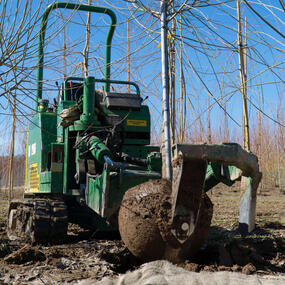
[165, 273]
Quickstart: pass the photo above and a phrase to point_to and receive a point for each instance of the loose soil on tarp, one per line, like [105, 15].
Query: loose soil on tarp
[83, 256]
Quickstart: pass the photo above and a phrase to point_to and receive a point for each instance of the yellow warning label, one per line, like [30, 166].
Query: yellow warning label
[34, 178]
[137, 123]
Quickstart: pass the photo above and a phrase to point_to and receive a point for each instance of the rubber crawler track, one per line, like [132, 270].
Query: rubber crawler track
[37, 220]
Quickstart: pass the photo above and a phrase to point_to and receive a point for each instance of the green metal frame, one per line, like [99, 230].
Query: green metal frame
[52, 160]
[108, 81]
[65, 84]
[42, 32]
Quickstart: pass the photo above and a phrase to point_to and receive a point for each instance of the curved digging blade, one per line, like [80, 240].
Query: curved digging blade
[187, 189]
[226, 154]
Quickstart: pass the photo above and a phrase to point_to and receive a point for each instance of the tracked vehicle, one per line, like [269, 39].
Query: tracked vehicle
[89, 161]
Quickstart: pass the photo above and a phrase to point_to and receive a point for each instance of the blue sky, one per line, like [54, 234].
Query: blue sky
[210, 61]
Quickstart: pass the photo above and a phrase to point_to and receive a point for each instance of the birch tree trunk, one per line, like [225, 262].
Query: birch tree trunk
[165, 92]
[86, 48]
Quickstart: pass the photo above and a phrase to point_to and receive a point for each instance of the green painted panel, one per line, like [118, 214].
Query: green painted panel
[45, 177]
[42, 133]
[95, 194]
[45, 188]
[105, 192]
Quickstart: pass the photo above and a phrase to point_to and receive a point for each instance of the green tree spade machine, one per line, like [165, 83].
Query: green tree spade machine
[89, 161]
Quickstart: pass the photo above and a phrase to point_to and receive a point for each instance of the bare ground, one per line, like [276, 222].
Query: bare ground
[82, 256]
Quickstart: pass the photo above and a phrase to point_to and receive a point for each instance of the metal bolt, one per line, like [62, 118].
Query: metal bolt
[185, 227]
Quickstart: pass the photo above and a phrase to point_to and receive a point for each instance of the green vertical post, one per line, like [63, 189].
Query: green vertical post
[88, 115]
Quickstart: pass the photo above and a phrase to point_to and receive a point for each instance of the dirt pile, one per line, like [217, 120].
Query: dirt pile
[4, 250]
[138, 217]
[246, 255]
[145, 226]
[25, 254]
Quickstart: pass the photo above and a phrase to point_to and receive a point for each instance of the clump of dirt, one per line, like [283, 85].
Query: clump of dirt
[145, 223]
[54, 254]
[190, 266]
[25, 254]
[249, 269]
[4, 249]
[138, 219]
[121, 260]
[225, 258]
[246, 255]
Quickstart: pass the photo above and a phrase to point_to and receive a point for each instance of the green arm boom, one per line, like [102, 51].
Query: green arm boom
[81, 7]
